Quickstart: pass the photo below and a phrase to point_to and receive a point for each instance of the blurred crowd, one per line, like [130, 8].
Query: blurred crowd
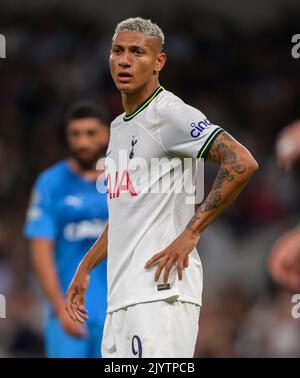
[246, 82]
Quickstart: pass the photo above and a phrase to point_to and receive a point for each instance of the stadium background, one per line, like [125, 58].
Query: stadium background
[230, 59]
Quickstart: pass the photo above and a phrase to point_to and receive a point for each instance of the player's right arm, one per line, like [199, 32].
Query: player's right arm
[75, 304]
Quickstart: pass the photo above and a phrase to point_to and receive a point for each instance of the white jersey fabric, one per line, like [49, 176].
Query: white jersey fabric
[143, 220]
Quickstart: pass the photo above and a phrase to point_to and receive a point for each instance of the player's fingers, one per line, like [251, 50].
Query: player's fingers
[186, 261]
[180, 269]
[78, 317]
[80, 310]
[159, 269]
[76, 310]
[154, 259]
[69, 312]
[168, 267]
[69, 304]
[74, 318]
[80, 302]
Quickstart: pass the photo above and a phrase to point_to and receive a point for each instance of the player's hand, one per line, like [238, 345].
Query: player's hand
[70, 327]
[176, 253]
[75, 303]
[284, 261]
[288, 146]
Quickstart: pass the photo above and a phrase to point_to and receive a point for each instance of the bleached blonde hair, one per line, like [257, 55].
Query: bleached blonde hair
[140, 25]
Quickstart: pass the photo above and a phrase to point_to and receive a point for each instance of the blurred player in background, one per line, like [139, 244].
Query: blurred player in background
[153, 307]
[284, 262]
[66, 215]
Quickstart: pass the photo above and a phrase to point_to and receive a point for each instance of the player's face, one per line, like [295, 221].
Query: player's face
[135, 60]
[87, 139]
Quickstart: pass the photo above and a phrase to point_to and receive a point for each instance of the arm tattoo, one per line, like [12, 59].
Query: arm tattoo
[210, 203]
[227, 137]
[240, 168]
[223, 175]
[222, 152]
[193, 220]
[213, 200]
[226, 152]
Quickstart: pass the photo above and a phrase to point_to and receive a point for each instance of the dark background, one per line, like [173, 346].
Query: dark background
[230, 59]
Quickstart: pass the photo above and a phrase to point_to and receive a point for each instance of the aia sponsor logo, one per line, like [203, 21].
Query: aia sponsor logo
[119, 183]
[138, 176]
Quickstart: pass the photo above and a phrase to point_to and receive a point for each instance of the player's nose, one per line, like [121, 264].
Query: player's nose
[124, 60]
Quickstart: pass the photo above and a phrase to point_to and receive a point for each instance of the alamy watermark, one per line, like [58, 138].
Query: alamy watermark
[2, 307]
[2, 46]
[296, 48]
[156, 175]
[296, 307]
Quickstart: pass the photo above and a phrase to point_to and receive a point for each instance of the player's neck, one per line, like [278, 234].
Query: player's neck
[86, 173]
[131, 101]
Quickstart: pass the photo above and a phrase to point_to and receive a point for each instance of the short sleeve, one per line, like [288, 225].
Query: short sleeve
[185, 131]
[40, 218]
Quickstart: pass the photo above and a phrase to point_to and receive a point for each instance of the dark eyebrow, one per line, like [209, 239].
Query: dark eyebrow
[131, 47]
[136, 47]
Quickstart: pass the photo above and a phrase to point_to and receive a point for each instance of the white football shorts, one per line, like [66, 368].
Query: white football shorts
[159, 329]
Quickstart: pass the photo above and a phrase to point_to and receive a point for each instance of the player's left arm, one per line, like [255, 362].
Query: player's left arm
[236, 166]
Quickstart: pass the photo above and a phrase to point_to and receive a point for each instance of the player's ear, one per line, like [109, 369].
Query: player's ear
[160, 61]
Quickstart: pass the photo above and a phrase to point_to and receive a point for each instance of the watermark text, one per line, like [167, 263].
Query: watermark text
[296, 48]
[2, 46]
[2, 307]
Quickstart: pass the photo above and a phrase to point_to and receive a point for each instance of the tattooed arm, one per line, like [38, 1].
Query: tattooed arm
[236, 166]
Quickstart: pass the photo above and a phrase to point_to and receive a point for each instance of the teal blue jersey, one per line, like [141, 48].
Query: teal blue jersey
[68, 209]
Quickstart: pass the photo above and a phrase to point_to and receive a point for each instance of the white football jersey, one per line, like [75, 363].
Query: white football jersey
[147, 212]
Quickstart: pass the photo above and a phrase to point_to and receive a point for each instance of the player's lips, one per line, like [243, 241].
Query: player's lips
[124, 76]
